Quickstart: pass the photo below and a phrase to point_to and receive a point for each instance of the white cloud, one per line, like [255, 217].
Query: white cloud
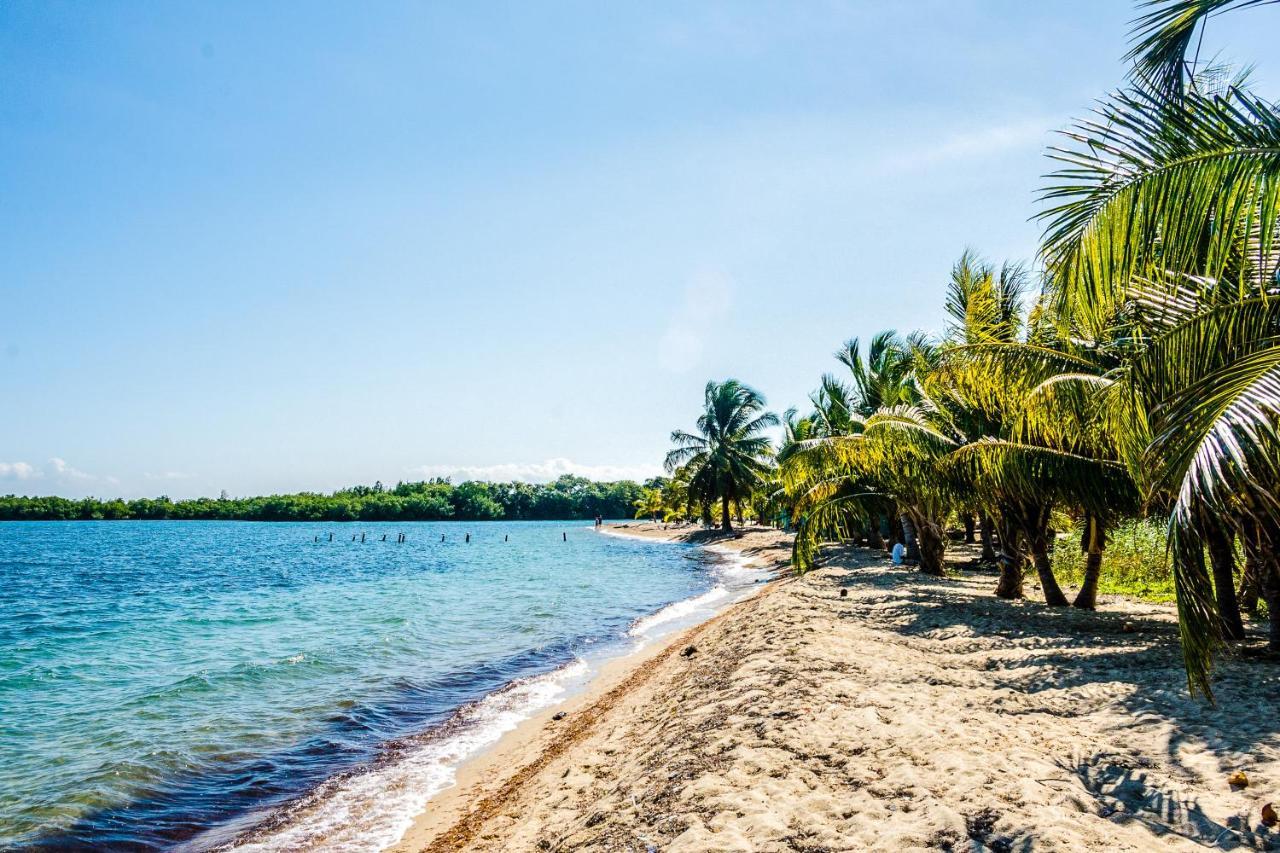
[17, 471]
[707, 298]
[66, 472]
[167, 475]
[537, 472]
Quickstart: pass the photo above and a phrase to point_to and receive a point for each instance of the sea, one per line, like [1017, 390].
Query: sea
[207, 685]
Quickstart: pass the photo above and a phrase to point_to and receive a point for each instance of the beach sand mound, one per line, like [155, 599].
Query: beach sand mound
[910, 714]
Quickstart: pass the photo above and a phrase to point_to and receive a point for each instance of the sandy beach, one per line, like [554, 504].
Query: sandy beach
[869, 707]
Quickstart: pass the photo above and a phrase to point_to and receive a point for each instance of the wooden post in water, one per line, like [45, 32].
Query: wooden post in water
[564, 535]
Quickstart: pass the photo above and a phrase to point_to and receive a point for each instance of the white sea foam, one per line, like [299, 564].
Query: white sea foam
[678, 611]
[371, 809]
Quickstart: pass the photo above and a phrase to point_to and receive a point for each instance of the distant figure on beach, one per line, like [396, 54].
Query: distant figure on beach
[897, 554]
[468, 537]
[599, 521]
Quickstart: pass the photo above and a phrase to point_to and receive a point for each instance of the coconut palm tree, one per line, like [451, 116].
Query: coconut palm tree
[729, 456]
[1168, 208]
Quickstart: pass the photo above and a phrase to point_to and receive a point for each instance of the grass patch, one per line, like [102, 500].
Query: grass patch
[1135, 563]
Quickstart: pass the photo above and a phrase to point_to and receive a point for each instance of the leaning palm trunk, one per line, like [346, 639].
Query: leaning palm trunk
[1092, 541]
[1011, 560]
[726, 522]
[1034, 519]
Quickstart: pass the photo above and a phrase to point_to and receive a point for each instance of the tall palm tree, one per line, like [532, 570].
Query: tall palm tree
[730, 456]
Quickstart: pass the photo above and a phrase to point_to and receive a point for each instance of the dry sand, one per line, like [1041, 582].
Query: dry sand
[909, 713]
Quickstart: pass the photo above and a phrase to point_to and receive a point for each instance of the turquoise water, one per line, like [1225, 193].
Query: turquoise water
[224, 684]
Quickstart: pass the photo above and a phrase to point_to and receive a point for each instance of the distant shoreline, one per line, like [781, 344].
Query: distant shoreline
[567, 498]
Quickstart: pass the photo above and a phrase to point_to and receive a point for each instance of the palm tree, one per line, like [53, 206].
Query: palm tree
[730, 456]
[649, 504]
[884, 378]
[1168, 207]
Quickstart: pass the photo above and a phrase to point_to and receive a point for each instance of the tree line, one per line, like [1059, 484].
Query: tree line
[1132, 373]
[438, 499]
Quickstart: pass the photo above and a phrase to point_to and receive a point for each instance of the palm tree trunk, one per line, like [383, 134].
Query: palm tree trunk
[1271, 592]
[1011, 559]
[726, 523]
[1092, 541]
[896, 533]
[1053, 595]
[910, 539]
[1222, 556]
[1251, 579]
[986, 527]
[970, 524]
[931, 545]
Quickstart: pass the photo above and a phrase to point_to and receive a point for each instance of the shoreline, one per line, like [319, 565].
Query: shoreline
[484, 780]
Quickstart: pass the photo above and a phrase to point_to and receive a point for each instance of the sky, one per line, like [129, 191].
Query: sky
[301, 245]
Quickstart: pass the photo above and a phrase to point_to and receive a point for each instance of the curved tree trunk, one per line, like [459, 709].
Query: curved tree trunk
[1012, 562]
[1053, 595]
[1222, 556]
[1092, 542]
[726, 523]
[932, 545]
[986, 527]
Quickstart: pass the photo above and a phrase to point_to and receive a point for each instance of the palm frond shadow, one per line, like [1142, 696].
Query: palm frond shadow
[1124, 789]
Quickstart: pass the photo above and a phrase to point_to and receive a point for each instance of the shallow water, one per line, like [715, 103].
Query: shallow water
[210, 684]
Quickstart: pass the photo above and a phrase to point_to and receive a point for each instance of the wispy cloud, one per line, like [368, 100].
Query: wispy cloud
[537, 472]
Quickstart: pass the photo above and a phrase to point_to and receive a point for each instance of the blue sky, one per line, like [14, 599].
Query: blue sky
[265, 247]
